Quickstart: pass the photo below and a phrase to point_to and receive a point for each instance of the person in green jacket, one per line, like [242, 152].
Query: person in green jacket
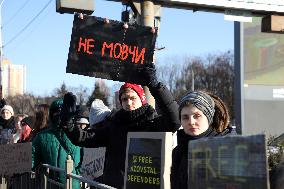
[52, 146]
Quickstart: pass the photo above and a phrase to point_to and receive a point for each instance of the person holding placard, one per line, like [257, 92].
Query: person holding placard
[135, 116]
[202, 114]
[52, 146]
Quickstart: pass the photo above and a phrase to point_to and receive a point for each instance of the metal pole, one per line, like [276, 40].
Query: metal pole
[192, 79]
[69, 168]
[1, 52]
[45, 178]
[238, 91]
[147, 13]
[147, 19]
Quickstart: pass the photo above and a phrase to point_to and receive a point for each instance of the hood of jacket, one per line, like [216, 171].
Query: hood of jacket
[55, 107]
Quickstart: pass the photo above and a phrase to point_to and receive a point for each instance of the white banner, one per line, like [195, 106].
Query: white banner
[93, 162]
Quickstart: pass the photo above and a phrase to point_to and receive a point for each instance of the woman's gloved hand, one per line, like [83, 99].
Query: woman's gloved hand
[68, 110]
[149, 74]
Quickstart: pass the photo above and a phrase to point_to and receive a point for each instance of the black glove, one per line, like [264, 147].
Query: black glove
[149, 74]
[68, 110]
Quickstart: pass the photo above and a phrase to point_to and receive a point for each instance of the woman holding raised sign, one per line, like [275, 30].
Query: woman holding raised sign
[136, 115]
[202, 115]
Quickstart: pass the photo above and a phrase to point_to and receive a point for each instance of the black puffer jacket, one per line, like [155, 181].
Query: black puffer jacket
[114, 136]
[179, 157]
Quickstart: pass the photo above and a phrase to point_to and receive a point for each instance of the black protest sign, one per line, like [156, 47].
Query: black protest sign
[147, 161]
[15, 158]
[144, 167]
[107, 50]
[233, 162]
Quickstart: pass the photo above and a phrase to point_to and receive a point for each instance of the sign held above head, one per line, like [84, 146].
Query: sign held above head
[110, 49]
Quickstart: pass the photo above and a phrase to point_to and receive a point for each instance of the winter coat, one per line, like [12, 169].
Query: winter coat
[276, 176]
[7, 127]
[114, 135]
[7, 124]
[52, 146]
[179, 168]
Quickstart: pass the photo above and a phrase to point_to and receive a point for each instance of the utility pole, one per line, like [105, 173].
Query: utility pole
[147, 19]
[1, 52]
[192, 79]
[147, 15]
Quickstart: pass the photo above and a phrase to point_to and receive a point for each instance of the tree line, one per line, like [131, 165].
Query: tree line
[212, 72]
[27, 103]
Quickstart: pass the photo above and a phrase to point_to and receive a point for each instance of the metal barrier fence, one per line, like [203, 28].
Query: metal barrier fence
[19, 181]
[42, 180]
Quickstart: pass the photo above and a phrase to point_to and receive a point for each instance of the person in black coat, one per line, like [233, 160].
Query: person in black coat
[276, 175]
[134, 116]
[7, 124]
[7, 117]
[202, 114]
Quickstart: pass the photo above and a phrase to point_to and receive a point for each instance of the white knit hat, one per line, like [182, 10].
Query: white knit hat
[82, 121]
[98, 111]
[9, 108]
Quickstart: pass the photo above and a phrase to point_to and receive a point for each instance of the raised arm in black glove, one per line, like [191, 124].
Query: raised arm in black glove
[149, 74]
[68, 110]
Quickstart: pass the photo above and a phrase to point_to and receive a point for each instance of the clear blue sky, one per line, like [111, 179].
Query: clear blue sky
[44, 44]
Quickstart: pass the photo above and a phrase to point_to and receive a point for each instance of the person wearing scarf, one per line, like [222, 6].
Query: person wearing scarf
[7, 124]
[202, 114]
[136, 115]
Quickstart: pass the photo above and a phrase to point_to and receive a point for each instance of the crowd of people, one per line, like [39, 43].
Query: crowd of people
[15, 128]
[64, 128]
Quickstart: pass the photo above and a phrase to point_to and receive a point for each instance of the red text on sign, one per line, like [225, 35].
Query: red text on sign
[122, 51]
[86, 44]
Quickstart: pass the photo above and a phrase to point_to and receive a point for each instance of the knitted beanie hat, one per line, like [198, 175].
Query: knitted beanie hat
[29, 121]
[55, 106]
[202, 101]
[98, 111]
[137, 88]
[82, 120]
[9, 108]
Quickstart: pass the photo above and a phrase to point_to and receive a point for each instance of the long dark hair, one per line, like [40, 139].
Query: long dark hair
[41, 117]
[221, 119]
